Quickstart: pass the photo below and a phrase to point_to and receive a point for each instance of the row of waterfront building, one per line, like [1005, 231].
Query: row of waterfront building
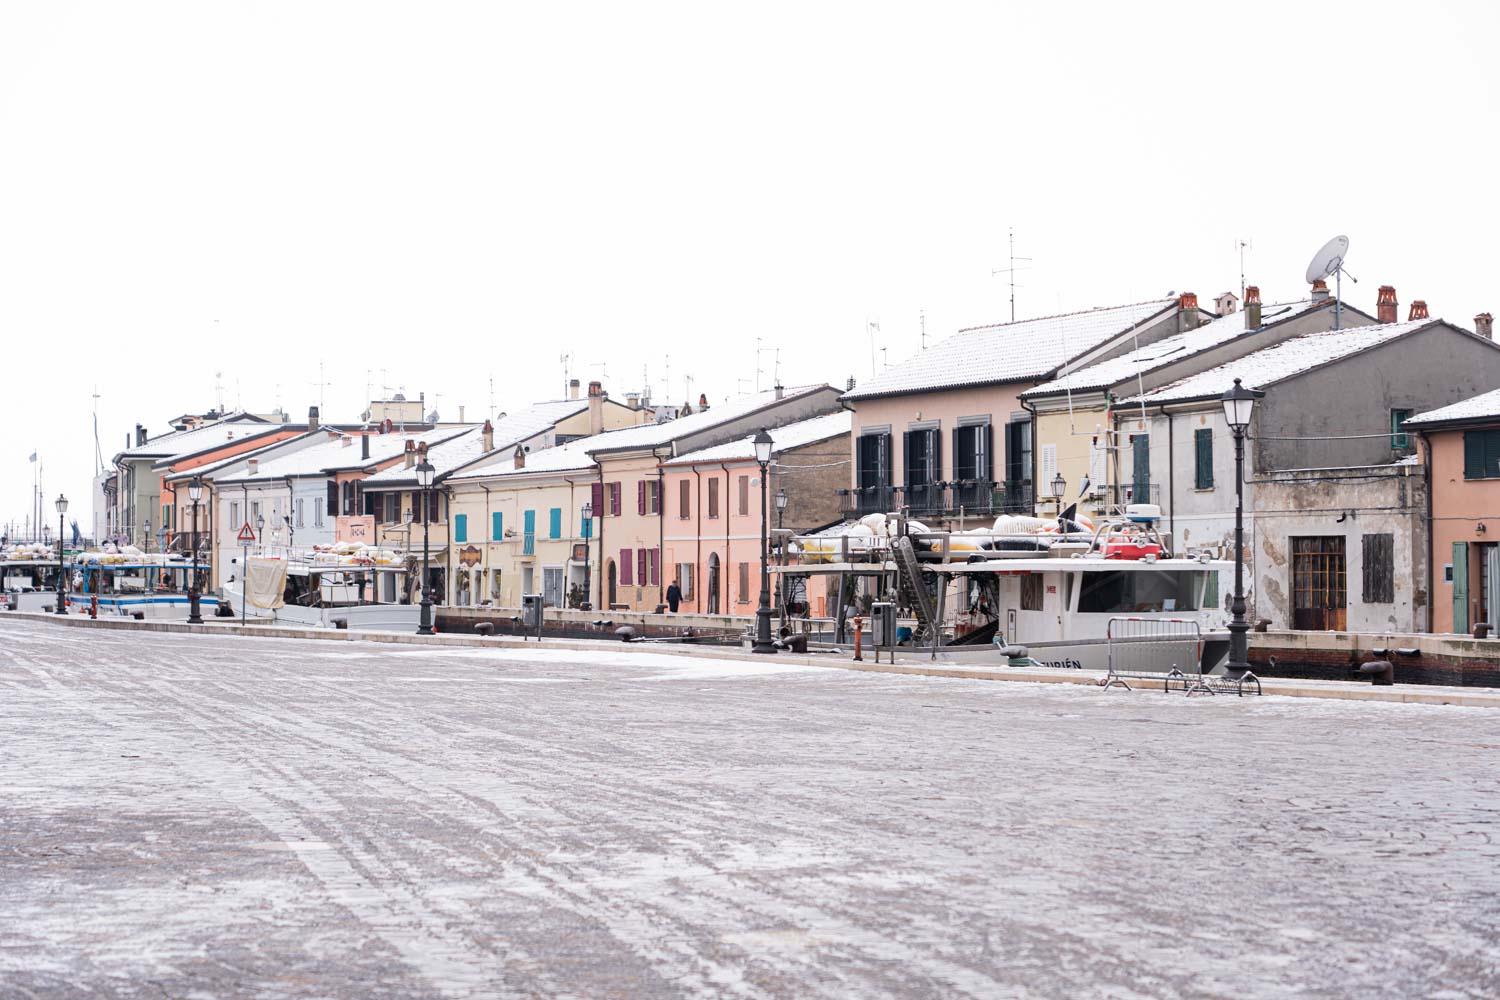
[1373, 465]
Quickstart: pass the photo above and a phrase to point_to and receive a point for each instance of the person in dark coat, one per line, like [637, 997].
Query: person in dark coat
[674, 596]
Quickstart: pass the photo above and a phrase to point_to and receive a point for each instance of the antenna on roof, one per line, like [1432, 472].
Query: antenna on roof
[566, 358]
[1242, 246]
[873, 327]
[922, 319]
[1330, 260]
[1012, 272]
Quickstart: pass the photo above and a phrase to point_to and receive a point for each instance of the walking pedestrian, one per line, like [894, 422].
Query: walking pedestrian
[674, 596]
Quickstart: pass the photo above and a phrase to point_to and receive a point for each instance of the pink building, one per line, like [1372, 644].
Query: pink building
[712, 510]
[1461, 447]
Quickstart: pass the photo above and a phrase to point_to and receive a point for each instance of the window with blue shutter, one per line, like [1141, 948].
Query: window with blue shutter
[497, 526]
[460, 527]
[1203, 454]
[554, 523]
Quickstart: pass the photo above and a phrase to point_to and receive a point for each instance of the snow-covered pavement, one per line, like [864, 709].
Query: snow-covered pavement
[223, 816]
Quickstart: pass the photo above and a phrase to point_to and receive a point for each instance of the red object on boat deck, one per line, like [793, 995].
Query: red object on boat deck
[1127, 549]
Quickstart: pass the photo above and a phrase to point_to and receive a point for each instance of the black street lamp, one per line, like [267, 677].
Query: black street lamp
[1239, 405]
[260, 531]
[781, 502]
[195, 494]
[763, 642]
[424, 479]
[588, 535]
[62, 597]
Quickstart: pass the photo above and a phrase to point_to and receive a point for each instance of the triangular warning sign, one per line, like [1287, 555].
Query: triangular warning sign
[247, 534]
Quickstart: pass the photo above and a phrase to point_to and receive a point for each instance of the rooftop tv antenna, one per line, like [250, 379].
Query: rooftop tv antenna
[1330, 260]
[1012, 272]
[1242, 246]
[922, 320]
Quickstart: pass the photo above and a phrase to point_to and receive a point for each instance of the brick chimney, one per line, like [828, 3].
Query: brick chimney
[596, 408]
[1418, 309]
[780, 391]
[312, 418]
[702, 402]
[1385, 304]
[409, 456]
[519, 459]
[487, 436]
[1252, 307]
[1188, 316]
[573, 388]
[252, 466]
[364, 446]
[1484, 325]
[1320, 291]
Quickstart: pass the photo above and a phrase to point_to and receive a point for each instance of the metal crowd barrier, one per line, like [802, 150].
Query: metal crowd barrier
[1165, 651]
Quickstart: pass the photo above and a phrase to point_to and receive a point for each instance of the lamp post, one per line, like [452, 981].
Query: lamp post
[1059, 490]
[260, 531]
[424, 480]
[195, 494]
[1239, 405]
[763, 642]
[62, 597]
[781, 502]
[588, 535]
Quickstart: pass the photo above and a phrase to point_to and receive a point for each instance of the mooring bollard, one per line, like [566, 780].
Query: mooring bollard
[1380, 672]
[858, 623]
[93, 605]
[485, 629]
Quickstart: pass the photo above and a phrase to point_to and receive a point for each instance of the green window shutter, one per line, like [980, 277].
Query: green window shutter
[1399, 440]
[554, 523]
[1203, 449]
[1460, 586]
[460, 527]
[530, 522]
[497, 526]
[1474, 454]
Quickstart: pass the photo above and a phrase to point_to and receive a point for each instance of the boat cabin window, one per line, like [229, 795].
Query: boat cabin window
[1031, 592]
[1122, 592]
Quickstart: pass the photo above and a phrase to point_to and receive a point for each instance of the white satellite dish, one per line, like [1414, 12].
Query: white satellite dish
[1330, 260]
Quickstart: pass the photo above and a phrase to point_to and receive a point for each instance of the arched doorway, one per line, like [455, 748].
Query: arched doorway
[610, 581]
[713, 583]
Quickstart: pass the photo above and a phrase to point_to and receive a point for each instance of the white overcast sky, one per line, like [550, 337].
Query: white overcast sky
[431, 195]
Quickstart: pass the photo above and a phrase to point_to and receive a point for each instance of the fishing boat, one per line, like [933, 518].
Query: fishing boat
[154, 588]
[328, 586]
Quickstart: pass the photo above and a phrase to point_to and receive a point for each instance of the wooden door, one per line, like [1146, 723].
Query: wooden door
[1319, 584]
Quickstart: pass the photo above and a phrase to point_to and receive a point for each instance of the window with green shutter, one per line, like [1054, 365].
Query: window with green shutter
[554, 523]
[497, 527]
[1482, 454]
[460, 527]
[1203, 458]
[1400, 440]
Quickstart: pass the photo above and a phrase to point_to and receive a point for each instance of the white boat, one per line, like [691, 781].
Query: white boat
[156, 589]
[1045, 594]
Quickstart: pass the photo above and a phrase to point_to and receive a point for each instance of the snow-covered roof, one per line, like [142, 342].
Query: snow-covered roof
[332, 454]
[1484, 406]
[535, 419]
[573, 456]
[1170, 349]
[784, 438]
[1282, 361]
[1010, 352]
[444, 456]
[651, 435]
[186, 442]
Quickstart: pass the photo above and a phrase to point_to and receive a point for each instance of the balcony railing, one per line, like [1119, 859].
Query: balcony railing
[977, 497]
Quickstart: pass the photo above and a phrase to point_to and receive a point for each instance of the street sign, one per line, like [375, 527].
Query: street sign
[247, 534]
